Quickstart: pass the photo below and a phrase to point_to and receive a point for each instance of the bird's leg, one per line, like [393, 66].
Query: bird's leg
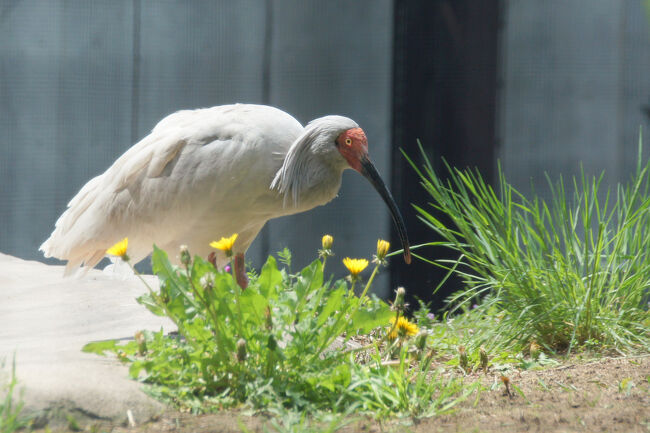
[212, 258]
[240, 271]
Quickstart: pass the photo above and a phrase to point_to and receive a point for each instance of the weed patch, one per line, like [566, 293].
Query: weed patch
[284, 343]
[565, 274]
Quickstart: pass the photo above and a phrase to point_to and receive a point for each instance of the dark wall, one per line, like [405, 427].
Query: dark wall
[444, 94]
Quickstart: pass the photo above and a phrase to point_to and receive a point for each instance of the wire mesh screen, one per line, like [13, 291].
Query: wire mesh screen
[82, 81]
[575, 89]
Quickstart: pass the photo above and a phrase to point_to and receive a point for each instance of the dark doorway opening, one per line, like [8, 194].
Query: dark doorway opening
[444, 94]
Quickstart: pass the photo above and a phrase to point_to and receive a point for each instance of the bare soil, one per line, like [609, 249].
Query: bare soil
[608, 395]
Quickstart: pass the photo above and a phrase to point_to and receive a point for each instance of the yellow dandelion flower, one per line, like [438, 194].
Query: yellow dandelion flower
[119, 249]
[404, 328]
[355, 266]
[327, 241]
[382, 249]
[225, 244]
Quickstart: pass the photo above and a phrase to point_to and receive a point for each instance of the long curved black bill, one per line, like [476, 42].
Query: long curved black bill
[369, 171]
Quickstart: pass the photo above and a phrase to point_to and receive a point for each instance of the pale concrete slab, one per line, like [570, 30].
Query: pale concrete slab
[47, 319]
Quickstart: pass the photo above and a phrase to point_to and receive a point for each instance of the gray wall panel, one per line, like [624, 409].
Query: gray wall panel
[198, 54]
[635, 83]
[560, 98]
[64, 111]
[575, 74]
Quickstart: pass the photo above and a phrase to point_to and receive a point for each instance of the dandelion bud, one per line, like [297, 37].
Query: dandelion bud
[241, 350]
[463, 360]
[185, 255]
[382, 249]
[535, 349]
[207, 282]
[327, 242]
[399, 303]
[484, 359]
[506, 383]
[268, 319]
[142, 342]
[272, 344]
[421, 341]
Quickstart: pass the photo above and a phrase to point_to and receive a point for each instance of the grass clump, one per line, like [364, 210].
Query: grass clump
[281, 345]
[569, 272]
[11, 419]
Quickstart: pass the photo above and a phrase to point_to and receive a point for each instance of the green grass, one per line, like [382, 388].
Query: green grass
[571, 272]
[268, 348]
[541, 278]
[11, 419]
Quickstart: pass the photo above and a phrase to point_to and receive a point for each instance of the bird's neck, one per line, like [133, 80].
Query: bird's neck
[320, 185]
[310, 176]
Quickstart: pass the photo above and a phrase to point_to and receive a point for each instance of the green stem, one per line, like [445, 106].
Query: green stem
[158, 300]
[369, 283]
[365, 290]
[205, 301]
[354, 311]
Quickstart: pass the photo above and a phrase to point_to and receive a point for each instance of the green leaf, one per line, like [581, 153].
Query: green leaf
[334, 379]
[135, 369]
[99, 347]
[253, 307]
[161, 267]
[311, 278]
[334, 303]
[365, 321]
[270, 279]
[150, 303]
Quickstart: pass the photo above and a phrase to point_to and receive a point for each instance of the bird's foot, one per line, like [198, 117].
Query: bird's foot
[240, 271]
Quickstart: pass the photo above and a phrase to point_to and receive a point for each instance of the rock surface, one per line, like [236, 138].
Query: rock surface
[47, 319]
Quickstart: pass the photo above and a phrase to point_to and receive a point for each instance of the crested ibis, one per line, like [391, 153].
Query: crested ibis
[208, 173]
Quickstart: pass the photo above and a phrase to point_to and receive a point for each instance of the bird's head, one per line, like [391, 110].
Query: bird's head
[352, 144]
[340, 143]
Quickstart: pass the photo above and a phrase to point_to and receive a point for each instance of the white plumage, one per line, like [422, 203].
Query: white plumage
[203, 174]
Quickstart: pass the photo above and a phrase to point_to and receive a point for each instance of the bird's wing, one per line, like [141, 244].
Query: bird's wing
[184, 164]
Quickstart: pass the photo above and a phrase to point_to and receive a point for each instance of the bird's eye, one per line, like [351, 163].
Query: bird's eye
[348, 141]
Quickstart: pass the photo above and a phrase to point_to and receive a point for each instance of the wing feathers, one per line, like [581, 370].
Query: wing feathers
[107, 208]
[73, 234]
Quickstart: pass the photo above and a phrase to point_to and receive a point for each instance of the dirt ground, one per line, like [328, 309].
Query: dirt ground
[608, 395]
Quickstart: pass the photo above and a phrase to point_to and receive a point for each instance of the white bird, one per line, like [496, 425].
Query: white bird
[208, 173]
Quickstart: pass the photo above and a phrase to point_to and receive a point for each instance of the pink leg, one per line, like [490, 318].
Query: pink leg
[240, 271]
[212, 258]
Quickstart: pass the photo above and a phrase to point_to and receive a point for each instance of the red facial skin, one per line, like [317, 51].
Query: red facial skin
[353, 145]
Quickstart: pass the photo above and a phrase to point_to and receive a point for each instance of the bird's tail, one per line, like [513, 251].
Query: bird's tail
[71, 239]
[78, 262]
